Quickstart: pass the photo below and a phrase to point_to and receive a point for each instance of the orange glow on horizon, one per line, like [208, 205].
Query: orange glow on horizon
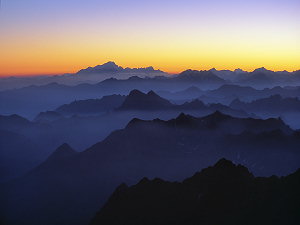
[43, 37]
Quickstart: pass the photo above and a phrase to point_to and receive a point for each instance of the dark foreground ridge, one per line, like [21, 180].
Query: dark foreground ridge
[223, 194]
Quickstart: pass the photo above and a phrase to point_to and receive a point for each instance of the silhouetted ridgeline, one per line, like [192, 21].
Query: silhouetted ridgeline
[272, 105]
[47, 93]
[222, 194]
[172, 149]
[92, 106]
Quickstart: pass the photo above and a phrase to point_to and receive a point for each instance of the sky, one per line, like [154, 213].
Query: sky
[63, 36]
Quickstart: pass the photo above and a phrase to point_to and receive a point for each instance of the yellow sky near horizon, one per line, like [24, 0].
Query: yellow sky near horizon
[245, 39]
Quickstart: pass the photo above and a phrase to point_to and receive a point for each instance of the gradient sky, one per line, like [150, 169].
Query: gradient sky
[61, 36]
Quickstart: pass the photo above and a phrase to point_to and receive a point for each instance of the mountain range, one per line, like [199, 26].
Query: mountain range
[31, 100]
[67, 141]
[222, 194]
[173, 149]
[274, 104]
[82, 123]
[259, 78]
[112, 67]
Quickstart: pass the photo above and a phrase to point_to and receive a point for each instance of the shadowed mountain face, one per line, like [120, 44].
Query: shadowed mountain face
[61, 152]
[140, 103]
[18, 154]
[227, 93]
[48, 116]
[170, 149]
[92, 106]
[271, 105]
[206, 77]
[287, 108]
[222, 194]
[137, 100]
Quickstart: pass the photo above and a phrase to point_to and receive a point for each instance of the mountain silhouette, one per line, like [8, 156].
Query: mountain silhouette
[62, 152]
[48, 116]
[18, 154]
[92, 106]
[137, 100]
[188, 93]
[223, 194]
[112, 67]
[14, 122]
[171, 149]
[31, 100]
[272, 104]
[259, 78]
[220, 122]
[199, 76]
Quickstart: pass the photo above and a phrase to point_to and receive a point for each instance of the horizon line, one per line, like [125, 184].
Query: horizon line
[169, 73]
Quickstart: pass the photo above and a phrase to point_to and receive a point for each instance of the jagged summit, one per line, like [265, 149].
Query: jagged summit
[224, 163]
[221, 194]
[216, 121]
[137, 100]
[262, 70]
[224, 170]
[112, 67]
[239, 71]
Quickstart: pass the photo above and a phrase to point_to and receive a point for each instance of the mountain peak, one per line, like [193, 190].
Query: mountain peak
[152, 93]
[217, 115]
[199, 76]
[106, 67]
[186, 120]
[112, 67]
[137, 100]
[222, 163]
[262, 70]
[61, 152]
[110, 63]
[136, 92]
[239, 70]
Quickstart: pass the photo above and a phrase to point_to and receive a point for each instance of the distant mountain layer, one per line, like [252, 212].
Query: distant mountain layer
[112, 67]
[134, 101]
[92, 106]
[90, 75]
[137, 100]
[223, 194]
[272, 104]
[172, 149]
[31, 100]
[259, 78]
